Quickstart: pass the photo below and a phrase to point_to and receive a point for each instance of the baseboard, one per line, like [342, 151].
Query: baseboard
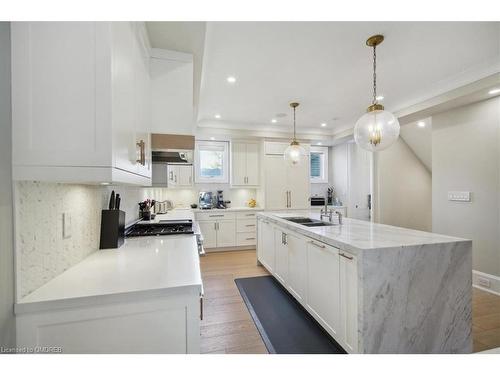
[224, 249]
[494, 282]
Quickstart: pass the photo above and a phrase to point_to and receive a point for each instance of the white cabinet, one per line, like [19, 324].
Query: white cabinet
[323, 291]
[209, 232]
[286, 187]
[218, 229]
[281, 256]
[297, 270]
[179, 175]
[80, 103]
[267, 247]
[349, 301]
[245, 164]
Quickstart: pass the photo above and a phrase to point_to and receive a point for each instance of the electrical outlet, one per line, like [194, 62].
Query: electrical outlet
[484, 282]
[66, 225]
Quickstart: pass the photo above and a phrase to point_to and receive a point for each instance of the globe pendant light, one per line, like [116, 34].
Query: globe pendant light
[295, 153]
[377, 129]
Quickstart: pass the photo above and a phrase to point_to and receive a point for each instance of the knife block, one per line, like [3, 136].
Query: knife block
[112, 229]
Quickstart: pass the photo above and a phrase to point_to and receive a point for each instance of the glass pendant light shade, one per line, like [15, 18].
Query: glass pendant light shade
[294, 154]
[376, 130]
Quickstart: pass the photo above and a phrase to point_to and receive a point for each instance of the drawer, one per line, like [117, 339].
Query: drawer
[246, 214]
[246, 239]
[215, 215]
[246, 225]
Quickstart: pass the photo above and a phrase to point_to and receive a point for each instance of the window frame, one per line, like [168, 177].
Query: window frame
[323, 179]
[212, 146]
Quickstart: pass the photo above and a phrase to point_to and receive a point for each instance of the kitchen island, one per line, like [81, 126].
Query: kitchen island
[374, 288]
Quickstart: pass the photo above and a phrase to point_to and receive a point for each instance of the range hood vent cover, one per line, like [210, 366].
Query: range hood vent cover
[170, 157]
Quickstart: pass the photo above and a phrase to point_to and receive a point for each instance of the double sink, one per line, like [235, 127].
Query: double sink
[308, 222]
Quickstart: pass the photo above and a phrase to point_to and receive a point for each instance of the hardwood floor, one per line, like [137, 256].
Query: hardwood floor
[227, 326]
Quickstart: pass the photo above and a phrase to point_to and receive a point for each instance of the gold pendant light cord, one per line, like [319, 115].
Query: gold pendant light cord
[374, 101]
[294, 135]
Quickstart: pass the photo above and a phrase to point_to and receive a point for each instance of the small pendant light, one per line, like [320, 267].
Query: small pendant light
[377, 129]
[295, 153]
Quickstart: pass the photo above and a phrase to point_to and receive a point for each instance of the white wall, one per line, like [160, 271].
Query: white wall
[466, 156]
[339, 171]
[7, 320]
[402, 188]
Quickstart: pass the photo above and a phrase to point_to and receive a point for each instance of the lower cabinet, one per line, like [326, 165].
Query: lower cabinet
[218, 233]
[323, 292]
[321, 277]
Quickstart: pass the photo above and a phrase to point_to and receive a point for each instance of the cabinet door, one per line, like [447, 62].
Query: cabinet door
[252, 164]
[208, 230]
[323, 291]
[297, 261]
[160, 174]
[349, 301]
[185, 175]
[61, 110]
[124, 105]
[267, 246]
[239, 163]
[275, 185]
[299, 185]
[226, 233]
[281, 256]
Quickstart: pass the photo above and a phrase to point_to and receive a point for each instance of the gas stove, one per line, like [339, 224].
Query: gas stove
[161, 228]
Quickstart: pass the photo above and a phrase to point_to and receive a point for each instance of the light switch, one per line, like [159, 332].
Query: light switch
[459, 196]
[66, 225]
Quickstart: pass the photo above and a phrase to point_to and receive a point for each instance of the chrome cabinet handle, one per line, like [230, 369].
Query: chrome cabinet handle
[250, 215]
[290, 194]
[171, 173]
[201, 308]
[250, 225]
[142, 152]
[346, 256]
[250, 238]
[215, 215]
[175, 178]
[215, 226]
[317, 245]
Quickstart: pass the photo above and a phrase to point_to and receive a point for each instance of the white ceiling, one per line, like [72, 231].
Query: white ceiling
[327, 68]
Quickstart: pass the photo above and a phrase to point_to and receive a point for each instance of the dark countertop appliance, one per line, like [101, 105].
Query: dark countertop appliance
[317, 201]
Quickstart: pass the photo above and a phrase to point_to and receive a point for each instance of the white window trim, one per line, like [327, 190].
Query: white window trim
[324, 168]
[212, 145]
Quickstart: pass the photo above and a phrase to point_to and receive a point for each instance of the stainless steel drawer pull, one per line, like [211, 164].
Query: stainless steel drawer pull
[215, 215]
[346, 256]
[250, 225]
[250, 215]
[317, 245]
[250, 238]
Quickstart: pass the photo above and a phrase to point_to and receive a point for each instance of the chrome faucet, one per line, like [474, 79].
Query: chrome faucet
[339, 214]
[325, 212]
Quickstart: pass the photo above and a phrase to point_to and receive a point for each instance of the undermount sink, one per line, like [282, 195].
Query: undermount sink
[308, 222]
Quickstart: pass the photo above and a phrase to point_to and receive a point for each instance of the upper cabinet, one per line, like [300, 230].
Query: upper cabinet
[172, 92]
[245, 164]
[81, 102]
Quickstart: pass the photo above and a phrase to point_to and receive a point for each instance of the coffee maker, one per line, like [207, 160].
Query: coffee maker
[220, 199]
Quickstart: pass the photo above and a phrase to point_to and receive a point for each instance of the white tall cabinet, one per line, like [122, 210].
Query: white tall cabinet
[286, 187]
[81, 102]
[244, 164]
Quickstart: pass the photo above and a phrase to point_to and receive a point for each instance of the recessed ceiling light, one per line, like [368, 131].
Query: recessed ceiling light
[105, 183]
[323, 124]
[380, 97]
[217, 116]
[212, 138]
[231, 79]
[421, 124]
[274, 121]
[319, 143]
[494, 91]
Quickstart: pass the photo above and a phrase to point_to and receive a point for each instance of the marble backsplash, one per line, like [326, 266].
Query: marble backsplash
[41, 251]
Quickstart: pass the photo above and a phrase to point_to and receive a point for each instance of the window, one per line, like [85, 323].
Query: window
[211, 162]
[319, 165]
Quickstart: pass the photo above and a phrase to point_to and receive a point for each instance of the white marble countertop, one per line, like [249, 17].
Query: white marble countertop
[357, 235]
[142, 266]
